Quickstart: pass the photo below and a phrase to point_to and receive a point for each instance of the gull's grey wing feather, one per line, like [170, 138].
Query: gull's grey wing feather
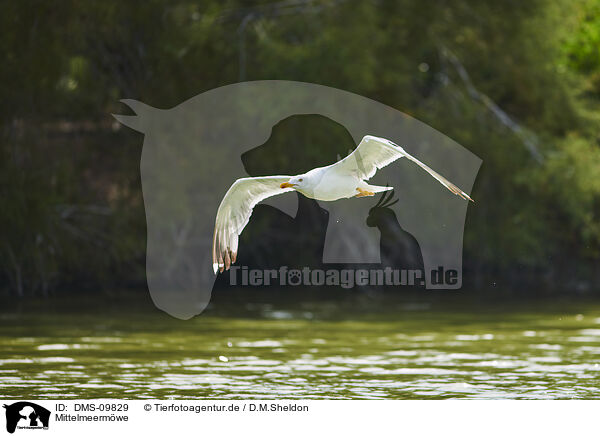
[234, 213]
[374, 153]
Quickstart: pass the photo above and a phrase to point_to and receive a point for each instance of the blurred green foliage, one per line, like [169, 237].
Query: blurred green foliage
[517, 83]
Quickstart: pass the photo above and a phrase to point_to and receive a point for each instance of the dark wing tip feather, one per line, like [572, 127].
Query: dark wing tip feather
[221, 260]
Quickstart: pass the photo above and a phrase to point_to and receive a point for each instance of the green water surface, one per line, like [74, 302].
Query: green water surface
[364, 348]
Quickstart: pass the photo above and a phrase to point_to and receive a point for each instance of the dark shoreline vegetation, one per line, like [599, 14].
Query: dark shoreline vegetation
[517, 83]
[318, 302]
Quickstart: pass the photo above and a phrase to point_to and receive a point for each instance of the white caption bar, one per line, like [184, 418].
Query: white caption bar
[314, 417]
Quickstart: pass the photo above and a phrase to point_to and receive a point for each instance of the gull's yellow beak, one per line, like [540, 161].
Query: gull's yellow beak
[286, 185]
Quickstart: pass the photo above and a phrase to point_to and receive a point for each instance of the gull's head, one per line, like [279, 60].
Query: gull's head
[297, 182]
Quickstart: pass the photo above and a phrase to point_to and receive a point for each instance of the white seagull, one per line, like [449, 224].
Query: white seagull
[343, 179]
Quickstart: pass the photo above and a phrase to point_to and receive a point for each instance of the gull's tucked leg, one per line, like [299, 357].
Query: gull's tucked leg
[364, 193]
[366, 190]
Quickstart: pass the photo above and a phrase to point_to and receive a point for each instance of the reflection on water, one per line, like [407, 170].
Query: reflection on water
[315, 351]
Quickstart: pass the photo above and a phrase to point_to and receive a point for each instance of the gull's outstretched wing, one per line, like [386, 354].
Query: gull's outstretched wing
[234, 213]
[374, 153]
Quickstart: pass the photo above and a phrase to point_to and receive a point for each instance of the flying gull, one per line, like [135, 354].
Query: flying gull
[343, 179]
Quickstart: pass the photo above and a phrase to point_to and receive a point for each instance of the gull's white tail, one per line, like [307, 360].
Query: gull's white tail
[374, 188]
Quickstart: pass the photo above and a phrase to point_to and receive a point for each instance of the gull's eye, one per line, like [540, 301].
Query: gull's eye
[300, 180]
